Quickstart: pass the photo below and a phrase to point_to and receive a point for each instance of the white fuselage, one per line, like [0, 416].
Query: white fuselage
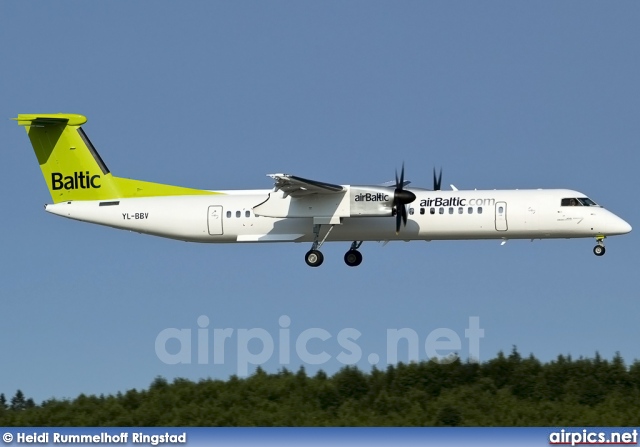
[434, 215]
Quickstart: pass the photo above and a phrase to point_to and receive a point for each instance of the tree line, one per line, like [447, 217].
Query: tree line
[509, 390]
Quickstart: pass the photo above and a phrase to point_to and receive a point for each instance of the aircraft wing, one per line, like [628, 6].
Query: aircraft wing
[298, 186]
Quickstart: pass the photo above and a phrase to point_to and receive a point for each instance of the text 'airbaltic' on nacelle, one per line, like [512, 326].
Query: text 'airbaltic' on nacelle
[371, 201]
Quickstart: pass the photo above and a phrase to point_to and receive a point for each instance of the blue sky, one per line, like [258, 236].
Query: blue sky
[218, 94]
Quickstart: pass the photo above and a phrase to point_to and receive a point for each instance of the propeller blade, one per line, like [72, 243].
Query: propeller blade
[437, 182]
[401, 198]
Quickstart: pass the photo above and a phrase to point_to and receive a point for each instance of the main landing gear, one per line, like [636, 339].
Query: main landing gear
[353, 257]
[599, 249]
[314, 257]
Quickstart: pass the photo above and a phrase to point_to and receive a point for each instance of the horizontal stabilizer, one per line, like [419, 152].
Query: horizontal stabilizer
[35, 119]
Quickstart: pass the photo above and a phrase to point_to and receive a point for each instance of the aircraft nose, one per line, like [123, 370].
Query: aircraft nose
[620, 226]
[626, 227]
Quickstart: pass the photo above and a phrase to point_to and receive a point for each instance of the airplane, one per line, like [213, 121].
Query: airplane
[298, 209]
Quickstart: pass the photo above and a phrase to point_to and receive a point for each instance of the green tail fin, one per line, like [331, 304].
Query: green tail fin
[73, 168]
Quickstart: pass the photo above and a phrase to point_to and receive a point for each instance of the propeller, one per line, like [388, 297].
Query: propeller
[401, 198]
[437, 182]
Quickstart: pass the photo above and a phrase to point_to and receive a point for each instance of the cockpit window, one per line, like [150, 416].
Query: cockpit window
[587, 202]
[578, 201]
[570, 202]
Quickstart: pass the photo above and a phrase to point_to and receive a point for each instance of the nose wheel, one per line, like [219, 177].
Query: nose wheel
[599, 249]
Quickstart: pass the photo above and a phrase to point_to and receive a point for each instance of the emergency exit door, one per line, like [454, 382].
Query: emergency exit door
[214, 220]
[501, 216]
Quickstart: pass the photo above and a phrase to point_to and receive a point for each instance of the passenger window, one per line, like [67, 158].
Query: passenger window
[432, 210]
[441, 210]
[247, 213]
[450, 210]
[228, 213]
[479, 210]
[460, 210]
[470, 210]
[421, 210]
[237, 213]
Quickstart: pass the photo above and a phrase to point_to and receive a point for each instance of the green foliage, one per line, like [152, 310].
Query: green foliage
[18, 402]
[448, 416]
[504, 391]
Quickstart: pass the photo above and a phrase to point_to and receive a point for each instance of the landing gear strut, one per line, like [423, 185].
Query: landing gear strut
[353, 257]
[599, 249]
[314, 257]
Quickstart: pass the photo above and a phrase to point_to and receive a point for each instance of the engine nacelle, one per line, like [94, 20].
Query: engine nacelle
[371, 201]
[355, 201]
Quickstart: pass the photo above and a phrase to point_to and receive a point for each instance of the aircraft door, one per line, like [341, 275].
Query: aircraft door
[501, 216]
[214, 220]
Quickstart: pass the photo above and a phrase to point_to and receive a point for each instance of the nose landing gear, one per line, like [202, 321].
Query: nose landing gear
[599, 249]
